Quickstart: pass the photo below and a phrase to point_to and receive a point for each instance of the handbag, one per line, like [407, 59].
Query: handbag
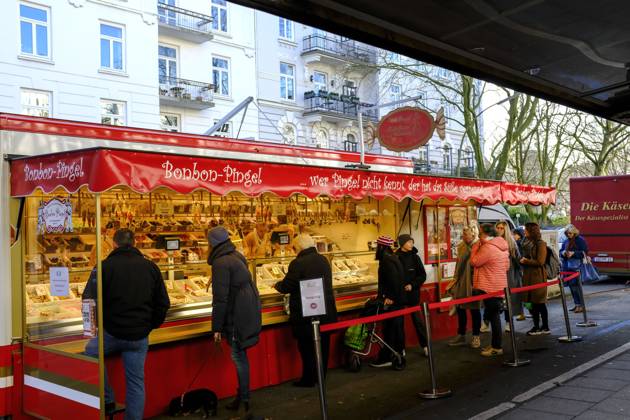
[588, 272]
[574, 264]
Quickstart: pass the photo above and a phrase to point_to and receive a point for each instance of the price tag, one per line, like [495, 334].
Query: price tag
[312, 294]
[59, 281]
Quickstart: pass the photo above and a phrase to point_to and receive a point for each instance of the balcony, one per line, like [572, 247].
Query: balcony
[336, 51]
[186, 93]
[332, 107]
[185, 24]
[422, 167]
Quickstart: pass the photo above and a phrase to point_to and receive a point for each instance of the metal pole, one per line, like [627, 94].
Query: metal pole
[586, 322]
[361, 137]
[99, 309]
[320, 369]
[516, 362]
[434, 393]
[569, 338]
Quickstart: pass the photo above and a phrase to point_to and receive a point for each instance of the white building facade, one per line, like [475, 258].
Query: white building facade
[181, 65]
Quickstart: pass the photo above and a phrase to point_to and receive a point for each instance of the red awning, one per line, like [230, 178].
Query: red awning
[102, 169]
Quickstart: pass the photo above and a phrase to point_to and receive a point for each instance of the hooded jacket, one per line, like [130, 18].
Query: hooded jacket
[491, 260]
[414, 274]
[236, 308]
[134, 296]
[391, 277]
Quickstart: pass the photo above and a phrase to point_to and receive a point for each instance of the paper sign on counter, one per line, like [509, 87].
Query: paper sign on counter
[312, 293]
[59, 281]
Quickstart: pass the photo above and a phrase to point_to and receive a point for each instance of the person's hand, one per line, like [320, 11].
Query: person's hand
[570, 254]
[522, 260]
[217, 337]
[408, 288]
[388, 301]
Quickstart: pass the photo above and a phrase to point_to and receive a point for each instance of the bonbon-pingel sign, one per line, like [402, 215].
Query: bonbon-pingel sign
[408, 128]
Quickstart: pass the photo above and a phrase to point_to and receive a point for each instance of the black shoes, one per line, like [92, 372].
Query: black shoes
[236, 404]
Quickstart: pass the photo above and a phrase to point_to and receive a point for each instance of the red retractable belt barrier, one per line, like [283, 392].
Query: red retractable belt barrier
[375, 318]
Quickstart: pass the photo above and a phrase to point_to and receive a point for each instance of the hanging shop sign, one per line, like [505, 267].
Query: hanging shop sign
[55, 216]
[408, 128]
[144, 171]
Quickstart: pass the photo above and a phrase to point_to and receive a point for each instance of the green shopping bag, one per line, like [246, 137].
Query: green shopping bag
[355, 337]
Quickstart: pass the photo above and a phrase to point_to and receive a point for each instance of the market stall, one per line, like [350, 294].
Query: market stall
[171, 200]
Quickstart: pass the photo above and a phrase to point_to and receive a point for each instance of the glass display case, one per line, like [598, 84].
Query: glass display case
[171, 230]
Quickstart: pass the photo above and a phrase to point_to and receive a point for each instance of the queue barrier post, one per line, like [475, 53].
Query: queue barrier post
[435, 392]
[516, 361]
[321, 386]
[569, 338]
[586, 322]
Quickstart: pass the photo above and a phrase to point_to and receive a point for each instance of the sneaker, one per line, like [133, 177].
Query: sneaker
[404, 353]
[534, 331]
[507, 328]
[459, 340]
[378, 364]
[490, 352]
[544, 331]
[521, 317]
[476, 342]
[485, 328]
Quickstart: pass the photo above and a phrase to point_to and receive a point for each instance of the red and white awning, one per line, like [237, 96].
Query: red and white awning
[143, 172]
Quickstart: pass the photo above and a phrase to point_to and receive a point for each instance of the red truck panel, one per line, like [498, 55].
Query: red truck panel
[600, 209]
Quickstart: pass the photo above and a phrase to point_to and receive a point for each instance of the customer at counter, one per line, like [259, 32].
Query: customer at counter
[309, 264]
[134, 303]
[236, 308]
[257, 243]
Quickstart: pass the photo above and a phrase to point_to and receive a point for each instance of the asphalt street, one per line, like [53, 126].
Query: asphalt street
[478, 384]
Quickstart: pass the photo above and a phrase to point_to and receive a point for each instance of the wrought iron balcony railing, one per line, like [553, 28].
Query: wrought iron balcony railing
[175, 90]
[178, 18]
[333, 103]
[344, 49]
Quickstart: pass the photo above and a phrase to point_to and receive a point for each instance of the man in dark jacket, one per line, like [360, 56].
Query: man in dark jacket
[308, 264]
[415, 276]
[390, 290]
[134, 302]
[236, 308]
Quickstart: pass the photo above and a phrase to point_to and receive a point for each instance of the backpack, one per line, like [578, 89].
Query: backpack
[552, 264]
[356, 337]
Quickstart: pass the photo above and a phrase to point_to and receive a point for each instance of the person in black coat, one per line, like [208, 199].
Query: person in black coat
[415, 276]
[391, 291]
[134, 303]
[308, 264]
[236, 308]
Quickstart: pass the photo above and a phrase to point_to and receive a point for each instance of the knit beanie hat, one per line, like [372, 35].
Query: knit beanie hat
[404, 238]
[385, 240]
[218, 235]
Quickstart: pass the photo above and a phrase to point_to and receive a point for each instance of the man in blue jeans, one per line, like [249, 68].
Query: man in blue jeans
[134, 302]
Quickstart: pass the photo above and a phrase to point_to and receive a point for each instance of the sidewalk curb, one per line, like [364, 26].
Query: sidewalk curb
[552, 383]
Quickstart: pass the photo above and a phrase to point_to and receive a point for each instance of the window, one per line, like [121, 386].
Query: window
[34, 31]
[395, 93]
[35, 103]
[112, 47]
[219, 15]
[170, 122]
[447, 158]
[167, 16]
[112, 112]
[350, 145]
[287, 81]
[224, 131]
[320, 81]
[447, 109]
[392, 57]
[289, 133]
[443, 73]
[444, 227]
[424, 154]
[321, 139]
[286, 29]
[167, 64]
[221, 76]
[469, 158]
[349, 88]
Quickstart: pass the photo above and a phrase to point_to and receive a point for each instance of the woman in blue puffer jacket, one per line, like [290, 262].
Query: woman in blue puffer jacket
[572, 252]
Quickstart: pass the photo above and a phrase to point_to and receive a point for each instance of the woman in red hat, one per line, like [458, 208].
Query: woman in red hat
[390, 290]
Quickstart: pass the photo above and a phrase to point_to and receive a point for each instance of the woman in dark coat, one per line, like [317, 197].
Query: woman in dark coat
[309, 264]
[415, 276]
[390, 289]
[236, 308]
[572, 252]
[533, 262]
[515, 273]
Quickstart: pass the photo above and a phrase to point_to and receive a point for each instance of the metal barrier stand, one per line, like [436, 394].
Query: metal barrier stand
[320, 369]
[435, 392]
[569, 338]
[515, 362]
[586, 322]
